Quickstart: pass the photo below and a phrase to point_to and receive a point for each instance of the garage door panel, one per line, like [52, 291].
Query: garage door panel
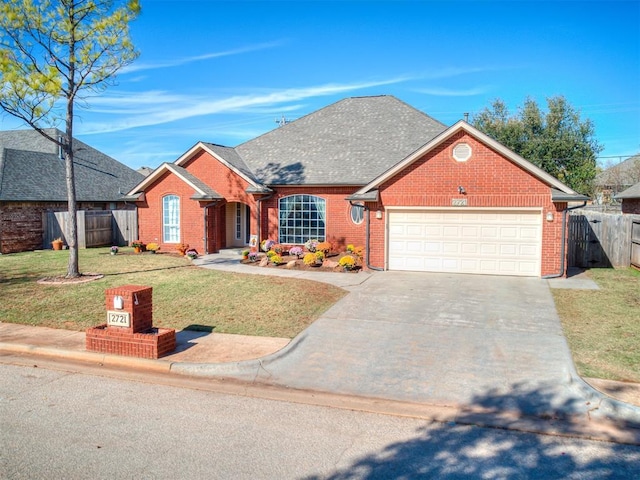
[497, 243]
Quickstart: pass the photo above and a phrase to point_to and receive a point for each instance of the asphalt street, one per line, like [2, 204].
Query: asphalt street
[66, 424]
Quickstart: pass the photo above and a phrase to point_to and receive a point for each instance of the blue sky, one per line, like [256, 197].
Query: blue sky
[225, 71]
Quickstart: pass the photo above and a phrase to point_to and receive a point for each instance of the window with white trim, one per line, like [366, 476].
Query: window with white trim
[171, 219]
[357, 213]
[301, 217]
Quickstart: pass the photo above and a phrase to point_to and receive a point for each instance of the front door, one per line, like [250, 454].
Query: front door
[238, 223]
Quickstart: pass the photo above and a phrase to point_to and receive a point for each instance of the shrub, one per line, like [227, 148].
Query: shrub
[266, 245]
[323, 247]
[310, 259]
[347, 262]
[310, 244]
[153, 246]
[296, 251]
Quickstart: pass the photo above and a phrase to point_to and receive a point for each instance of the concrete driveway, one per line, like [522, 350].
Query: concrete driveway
[488, 342]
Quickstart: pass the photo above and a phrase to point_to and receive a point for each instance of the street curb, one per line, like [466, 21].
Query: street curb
[92, 357]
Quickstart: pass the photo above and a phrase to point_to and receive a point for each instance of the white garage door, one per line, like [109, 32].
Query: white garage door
[485, 242]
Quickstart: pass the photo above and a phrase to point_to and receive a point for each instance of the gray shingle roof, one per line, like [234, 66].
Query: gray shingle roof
[207, 191]
[349, 142]
[31, 170]
[623, 174]
[631, 192]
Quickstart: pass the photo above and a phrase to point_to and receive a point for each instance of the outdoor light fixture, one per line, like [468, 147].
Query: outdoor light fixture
[549, 216]
[118, 302]
[378, 214]
[461, 190]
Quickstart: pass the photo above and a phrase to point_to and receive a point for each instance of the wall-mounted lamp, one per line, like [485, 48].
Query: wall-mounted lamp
[118, 302]
[461, 190]
[549, 216]
[378, 214]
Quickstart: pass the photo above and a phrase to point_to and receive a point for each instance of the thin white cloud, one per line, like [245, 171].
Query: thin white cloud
[137, 67]
[145, 109]
[446, 92]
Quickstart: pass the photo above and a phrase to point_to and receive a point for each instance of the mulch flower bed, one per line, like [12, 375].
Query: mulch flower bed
[330, 264]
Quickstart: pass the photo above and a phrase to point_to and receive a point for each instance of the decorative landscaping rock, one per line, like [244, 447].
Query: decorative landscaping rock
[329, 264]
[264, 262]
[291, 264]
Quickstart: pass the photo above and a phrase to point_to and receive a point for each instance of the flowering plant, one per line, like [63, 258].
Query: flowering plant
[153, 246]
[347, 262]
[311, 244]
[271, 253]
[310, 259]
[323, 246]
[319, 256]
[253, 256]
[296, 251]
[137, 244]
[266, 245]
[114, 250]
[182, 248]
[277, 259]
[192, 254]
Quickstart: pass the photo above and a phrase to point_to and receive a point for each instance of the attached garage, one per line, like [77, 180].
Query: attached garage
[491, 242]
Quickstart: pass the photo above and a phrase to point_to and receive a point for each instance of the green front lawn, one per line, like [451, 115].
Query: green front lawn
[183, 295]
[603, 326]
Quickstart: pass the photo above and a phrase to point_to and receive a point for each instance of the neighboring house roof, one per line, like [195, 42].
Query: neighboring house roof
[346, 143]
[630, 193]
[31, 170]
[620, 176]
[560, 191]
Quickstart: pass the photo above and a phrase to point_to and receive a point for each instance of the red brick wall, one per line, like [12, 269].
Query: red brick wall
[339, 228]
[631, 205]
[192, 225]
[489, 180]
[21, 228]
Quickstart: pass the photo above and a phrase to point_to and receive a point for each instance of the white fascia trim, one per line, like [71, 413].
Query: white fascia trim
[157, 173]
[462, 125]
[186, 156]
[465, 209]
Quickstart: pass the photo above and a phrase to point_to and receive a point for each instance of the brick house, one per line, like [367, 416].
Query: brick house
[370, 171]
[630, 199]
[33, 181]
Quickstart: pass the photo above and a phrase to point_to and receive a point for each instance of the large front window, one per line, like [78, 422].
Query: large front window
[171, 219]
[301, 217]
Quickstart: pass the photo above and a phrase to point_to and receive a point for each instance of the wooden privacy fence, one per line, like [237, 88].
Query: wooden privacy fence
[96, 228]
[598, 239]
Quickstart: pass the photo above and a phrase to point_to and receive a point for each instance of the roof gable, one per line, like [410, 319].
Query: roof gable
[201, 189]
[481, 137]
[346, 143]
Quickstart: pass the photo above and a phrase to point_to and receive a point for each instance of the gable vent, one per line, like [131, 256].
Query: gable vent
[462, 152]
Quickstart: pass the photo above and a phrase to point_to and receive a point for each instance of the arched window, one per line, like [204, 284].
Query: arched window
[301, 217]
[171, 219]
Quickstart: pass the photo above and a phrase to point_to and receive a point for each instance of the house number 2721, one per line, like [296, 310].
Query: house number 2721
[118, 319]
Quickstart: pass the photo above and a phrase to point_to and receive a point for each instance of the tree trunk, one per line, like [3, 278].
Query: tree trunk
[72, 234]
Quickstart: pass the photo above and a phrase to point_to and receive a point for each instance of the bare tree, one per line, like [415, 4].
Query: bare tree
[53, 55]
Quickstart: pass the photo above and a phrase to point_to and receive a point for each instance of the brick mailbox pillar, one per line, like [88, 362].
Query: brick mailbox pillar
[129, 329]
